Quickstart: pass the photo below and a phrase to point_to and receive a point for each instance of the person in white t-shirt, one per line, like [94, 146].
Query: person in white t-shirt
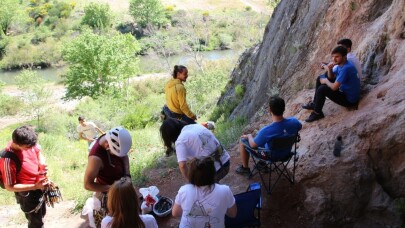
[194, 141]
[202, 203]
[123, 208]
[88, 130]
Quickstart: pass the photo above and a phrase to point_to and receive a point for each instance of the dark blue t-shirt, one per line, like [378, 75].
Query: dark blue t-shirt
[286, 127]
[349, 82]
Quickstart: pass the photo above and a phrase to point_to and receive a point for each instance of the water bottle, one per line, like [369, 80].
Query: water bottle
[338, 146]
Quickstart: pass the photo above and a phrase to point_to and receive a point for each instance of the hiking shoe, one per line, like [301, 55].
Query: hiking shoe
[314, 117]
[242, 170]
[309, 106]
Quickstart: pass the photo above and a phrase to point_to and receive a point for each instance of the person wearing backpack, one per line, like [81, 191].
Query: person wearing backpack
[22, 170]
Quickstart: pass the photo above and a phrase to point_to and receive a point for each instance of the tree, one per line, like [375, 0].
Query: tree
[147, 12]
[97, 15]
[8, 11]
[99, 64]
[35, 94]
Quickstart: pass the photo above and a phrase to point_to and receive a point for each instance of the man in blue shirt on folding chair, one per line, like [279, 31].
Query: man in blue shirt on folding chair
[278, 128]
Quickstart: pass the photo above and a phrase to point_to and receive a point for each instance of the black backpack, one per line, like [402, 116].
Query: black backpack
[8, 154]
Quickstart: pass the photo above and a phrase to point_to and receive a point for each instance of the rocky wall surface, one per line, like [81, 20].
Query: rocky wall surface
[366, 185]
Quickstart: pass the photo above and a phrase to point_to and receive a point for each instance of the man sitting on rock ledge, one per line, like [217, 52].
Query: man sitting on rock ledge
[280, 127]
[344, 91]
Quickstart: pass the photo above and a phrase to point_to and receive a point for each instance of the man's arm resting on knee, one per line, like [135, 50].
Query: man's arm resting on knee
[334, 86]
[250, 138]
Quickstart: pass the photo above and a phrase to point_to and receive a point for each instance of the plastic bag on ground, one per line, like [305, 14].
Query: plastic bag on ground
[149, 198]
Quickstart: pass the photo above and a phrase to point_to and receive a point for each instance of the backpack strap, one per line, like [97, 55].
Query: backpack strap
[12, 156]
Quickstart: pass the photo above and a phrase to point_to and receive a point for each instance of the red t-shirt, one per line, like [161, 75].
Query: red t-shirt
[111, 171]
[29, 173]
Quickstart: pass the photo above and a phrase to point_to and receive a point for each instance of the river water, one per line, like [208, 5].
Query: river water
[147, 63]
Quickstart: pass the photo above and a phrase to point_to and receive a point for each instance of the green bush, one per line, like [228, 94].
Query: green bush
[51, 21]
[225, 40]
[204, 88]
[10, 105]
[97, 16]
[21, 43]
[44, 52]
[61, 9]
[223, 111]
[137, 119]
[63, 27]
[40, 34]
[3, 44]
[228, 132]
[148, 12]
[239, 91]
[273, 3]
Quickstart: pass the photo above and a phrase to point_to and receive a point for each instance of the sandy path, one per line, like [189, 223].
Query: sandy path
[256, 7]
[59, 216]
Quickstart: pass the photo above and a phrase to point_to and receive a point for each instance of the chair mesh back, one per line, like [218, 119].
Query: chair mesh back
[283, 143]
[246, 203]
[281, 148]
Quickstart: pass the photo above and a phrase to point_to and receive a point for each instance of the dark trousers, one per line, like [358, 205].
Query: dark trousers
[318, 82]
[336, 96]
[174, 115]
[28, 201]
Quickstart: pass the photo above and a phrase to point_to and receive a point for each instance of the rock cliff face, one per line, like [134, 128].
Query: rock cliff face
[366, 185]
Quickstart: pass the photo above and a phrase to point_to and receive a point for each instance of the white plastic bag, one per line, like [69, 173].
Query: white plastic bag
[91, 204]
[149, 198]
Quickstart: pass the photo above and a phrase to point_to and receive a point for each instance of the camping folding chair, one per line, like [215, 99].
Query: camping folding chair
[249, 204]
[275, 160]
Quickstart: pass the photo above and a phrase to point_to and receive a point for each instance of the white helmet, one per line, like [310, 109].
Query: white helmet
[119, 141]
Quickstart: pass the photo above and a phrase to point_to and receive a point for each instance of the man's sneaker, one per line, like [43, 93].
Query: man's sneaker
[313, 117]
[242, 170]
[309, 106]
